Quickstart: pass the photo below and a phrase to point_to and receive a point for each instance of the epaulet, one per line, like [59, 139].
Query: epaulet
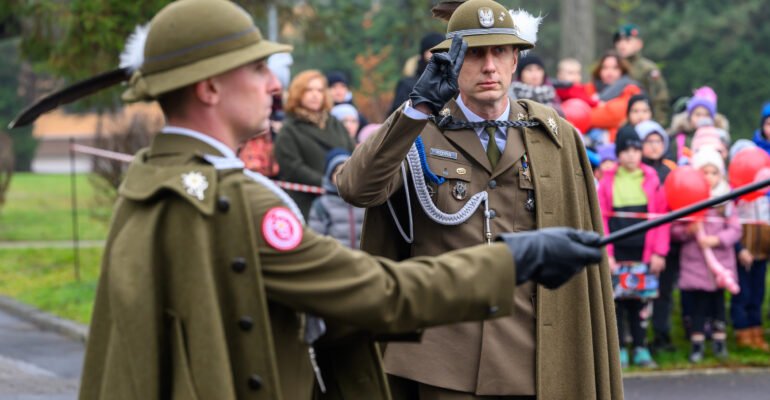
[549, 119]
[196, 183]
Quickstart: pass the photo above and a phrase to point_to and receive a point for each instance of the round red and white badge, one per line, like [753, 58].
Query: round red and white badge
[281, 229]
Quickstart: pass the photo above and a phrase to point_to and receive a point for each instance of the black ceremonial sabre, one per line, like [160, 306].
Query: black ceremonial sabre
[69, 94]
[647, 225]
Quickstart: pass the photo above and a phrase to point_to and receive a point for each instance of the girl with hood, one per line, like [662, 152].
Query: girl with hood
[696, 280]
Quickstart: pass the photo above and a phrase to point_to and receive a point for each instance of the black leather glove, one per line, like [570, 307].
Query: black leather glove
[551, 256]
[438, 83]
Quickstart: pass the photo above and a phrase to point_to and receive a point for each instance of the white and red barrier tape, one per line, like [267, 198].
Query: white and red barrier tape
[641, 215]
[95, 151]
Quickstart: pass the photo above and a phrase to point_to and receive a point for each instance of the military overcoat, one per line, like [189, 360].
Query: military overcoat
[194, 303]
[576, 336]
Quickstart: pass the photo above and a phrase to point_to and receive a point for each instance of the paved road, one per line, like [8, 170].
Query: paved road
[38, 365]
[723, 385]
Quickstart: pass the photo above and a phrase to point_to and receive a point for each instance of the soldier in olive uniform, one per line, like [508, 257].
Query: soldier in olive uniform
[211, 287]
[447, 172]
[629, 44]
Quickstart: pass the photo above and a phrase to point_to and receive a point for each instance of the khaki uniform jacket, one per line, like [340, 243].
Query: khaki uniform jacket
[193, 303]
[576, 343]
[654, 85]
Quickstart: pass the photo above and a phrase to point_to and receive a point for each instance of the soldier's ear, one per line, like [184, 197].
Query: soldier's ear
[206, 91]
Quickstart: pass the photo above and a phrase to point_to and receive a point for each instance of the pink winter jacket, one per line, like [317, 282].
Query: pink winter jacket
[694, 274]
[656, 240]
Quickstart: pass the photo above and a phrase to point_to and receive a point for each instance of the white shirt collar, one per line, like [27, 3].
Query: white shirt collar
[221, 147]
[472, 117]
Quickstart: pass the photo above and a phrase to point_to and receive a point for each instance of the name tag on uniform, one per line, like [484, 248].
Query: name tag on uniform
[443, 153]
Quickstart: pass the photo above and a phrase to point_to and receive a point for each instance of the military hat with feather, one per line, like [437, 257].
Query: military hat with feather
[486, 23]
[187, 41]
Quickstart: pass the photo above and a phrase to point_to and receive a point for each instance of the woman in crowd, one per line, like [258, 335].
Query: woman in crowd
[613, 88]
[308, 134]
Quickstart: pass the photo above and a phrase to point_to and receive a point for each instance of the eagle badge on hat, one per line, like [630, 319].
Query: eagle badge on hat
[486, 17]
[195, 184]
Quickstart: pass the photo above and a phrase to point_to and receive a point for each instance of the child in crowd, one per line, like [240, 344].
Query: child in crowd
[633, 187]
[330, 214]
[762, 134]
[701, 111]
[753, 251]
[639, 110]
[532, 83]
[569, 82]
[696, 280]
[607, 159]
[710, 136]
[348, 115]
[654, 146]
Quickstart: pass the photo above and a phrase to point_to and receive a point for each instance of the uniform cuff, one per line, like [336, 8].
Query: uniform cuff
[414, 113]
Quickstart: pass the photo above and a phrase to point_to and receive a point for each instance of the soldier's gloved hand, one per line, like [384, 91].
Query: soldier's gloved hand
[551, 256]
[438, 83]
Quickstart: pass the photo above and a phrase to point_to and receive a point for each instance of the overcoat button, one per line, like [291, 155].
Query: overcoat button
[223, 204]
[255, 382]
[238, 264]
[493, 310]
[246, 323]
[492, 184]
[492, 214]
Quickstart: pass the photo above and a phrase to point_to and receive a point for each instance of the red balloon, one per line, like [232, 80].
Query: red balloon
[762, 174]
[744, 168]
[578, 113]
[686, 186]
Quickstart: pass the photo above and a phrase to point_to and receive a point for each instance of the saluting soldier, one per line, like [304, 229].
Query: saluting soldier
[212, 288]
[447, 172]
[629, 44]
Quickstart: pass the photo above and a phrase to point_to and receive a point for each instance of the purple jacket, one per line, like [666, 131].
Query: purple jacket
[694, 274]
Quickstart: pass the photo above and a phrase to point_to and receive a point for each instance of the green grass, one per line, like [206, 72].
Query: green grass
[45, 279]
[679, 359]
[38, 207]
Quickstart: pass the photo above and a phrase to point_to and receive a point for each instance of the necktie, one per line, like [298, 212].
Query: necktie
[493, 152]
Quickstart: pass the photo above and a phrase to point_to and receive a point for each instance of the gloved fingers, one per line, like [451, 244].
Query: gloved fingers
[455, 47]
[439, 59]
[459, 58]
[586, 254]
[588, 238]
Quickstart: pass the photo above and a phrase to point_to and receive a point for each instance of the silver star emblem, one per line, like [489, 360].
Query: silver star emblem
[195, 183]
[445, 112]
[520, 117]
[552, 124]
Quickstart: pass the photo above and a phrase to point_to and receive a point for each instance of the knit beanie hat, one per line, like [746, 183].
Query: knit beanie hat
[529, 59]
[430, 40]
[705, 97]
[337, 77]
[627, 138]
[637, 98]
[646, 128]
[708, 155]
[739, 145]
[606, 152]
[367, 131]
[340, 111]
[711, 136]
[765, 114]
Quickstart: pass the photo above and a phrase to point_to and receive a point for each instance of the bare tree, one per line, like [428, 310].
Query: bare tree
[578, 31]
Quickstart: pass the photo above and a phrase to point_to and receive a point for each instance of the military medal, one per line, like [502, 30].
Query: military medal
[195, 183]
[529, 205]
[460, 191]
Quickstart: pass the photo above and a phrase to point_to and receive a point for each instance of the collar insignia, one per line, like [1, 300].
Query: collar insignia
[195, 184]
[552, 124]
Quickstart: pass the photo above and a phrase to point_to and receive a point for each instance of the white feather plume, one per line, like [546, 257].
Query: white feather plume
[132, 56]
[527, 24]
